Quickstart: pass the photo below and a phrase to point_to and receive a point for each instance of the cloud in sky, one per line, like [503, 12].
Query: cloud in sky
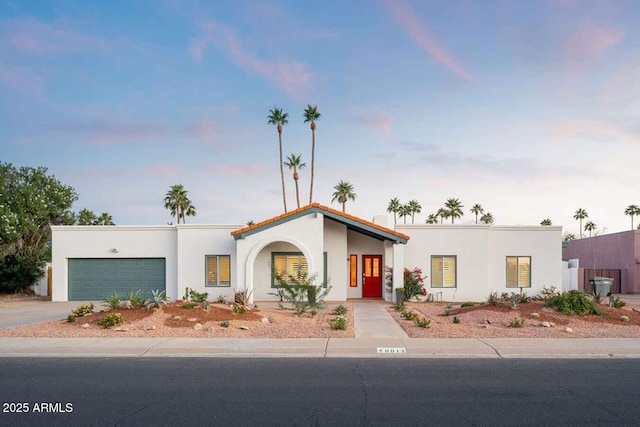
[22, 80]
[380, 123]
[290, 76]
[204, 130]
[109, 131]
[235, 169]
[595, 131]
[589, 41]
[407, 19]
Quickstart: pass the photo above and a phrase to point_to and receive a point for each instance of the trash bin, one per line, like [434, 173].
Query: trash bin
[600, 286]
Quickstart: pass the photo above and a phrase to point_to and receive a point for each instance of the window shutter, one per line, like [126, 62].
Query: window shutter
[449, 272]
[512, 271]
[225, 270]
[280, 266]
[524, 271]
[436, 271]
[212, 271]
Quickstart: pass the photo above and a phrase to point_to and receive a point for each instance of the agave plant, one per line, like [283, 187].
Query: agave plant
[158, 299]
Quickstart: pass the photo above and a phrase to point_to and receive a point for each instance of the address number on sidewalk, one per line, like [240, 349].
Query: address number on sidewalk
[390, 350]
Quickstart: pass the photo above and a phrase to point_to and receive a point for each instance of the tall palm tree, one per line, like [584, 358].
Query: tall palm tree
[477, 209]
[414, 208]
[394, 206]
[546, 221]
[632, 210]
[311, 115]
[279, 118]
[344, 192]
[589, 226]
[295, 162]
[442, 213]
[432, 219]
[105, 219]
[86, 217]
[487, 218]
[404, 212]
[178, 203]
[568, 237]
[580, 215]
[454, 209]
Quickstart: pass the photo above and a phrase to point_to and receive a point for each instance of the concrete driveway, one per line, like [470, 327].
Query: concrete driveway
[24, 312]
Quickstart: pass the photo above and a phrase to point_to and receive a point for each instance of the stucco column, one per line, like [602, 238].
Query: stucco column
[398, 268]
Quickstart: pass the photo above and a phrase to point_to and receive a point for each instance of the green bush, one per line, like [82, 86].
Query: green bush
[618, 303]
[221, 299]
[494, 298]
[110, 320]
[399, 306]
[302, 292]
[340, 310]
[71, 318]
[468, 304]
[516, 322]
[158, 299]
[189, 305]
[239, 309]
[224, 323]
[422, 322]
[114, 301]
[456, 319]
[135, 298]
[197, 296]
[339, 323]
[573, 302]
[83, 310]
[408, 315]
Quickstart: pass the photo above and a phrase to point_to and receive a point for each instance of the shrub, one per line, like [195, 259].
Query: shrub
[573, 302]
[302, 292]
[618, 303]
[399, 306]
[456, 319]
[413, 281]
[71, 318]
[189, 305]
[513, 300]
[340, 310]
[468, 304]
[242, 296]
[238, 308]
[523, 297]
[224, 324]
[494, 298]
[197, 296]
[222, 299]
[114, 301]
[110, 320]
[516, 322]
[158, 299]
[206, 305]
[547, 293]
[83, 310]
[339, 323]
[135, 298]
[409, 315]
[447, 310]
[422, 322]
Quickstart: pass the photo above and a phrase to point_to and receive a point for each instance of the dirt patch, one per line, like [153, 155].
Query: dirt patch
[490, 321]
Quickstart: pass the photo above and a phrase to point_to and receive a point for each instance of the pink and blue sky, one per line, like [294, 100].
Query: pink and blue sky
[530, 108]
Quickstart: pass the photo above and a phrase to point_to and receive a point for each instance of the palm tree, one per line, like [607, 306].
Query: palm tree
[442, 213]
[546, 221]
[432, 219]
[568, 237]
[404, 212]
[589, 226]
[487, 218]
[454, 209]
[105, 219]
[477, 209]
[311, 115]
[394, 206]
[580, 215]
[344, 192]
[250, 223]
[632, 210]
[295, 162]
[86, 217]
[414, 208]
[279, 118]
[178, 203]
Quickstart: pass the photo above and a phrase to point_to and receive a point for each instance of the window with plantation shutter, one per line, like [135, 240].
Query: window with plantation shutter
[218, 270]
[518, 272]
[443, 271]
[286, 264]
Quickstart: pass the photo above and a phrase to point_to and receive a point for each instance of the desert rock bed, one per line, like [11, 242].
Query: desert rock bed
[489, 321]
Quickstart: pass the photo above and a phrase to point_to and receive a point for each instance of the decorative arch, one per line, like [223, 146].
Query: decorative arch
[259, 246]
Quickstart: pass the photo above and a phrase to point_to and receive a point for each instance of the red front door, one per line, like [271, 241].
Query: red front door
[371, 276]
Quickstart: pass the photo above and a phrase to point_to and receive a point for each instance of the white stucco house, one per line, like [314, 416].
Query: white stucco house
[460, 262]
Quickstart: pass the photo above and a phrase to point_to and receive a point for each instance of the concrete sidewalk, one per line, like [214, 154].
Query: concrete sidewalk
[372, 320]
[507, 348]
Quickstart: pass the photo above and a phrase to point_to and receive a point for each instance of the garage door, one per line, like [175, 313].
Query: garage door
[96, 278]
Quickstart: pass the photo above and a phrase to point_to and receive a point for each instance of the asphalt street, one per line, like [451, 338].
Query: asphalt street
[311, 392]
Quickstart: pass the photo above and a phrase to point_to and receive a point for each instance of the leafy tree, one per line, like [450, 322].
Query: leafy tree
[312, 115]
[589, 226]
[295, 162]
[487, 218]
[632, 210]
[178, 203]
[477, 210]
[580, 215]
[343, 192]
[86, 217]
[546, 221]
[30, 203]
[568, 237]
[454, 209]
[442, 213]
[414, 208]
[279, 118]
[432, 219]
[104, 219]
[394, 206]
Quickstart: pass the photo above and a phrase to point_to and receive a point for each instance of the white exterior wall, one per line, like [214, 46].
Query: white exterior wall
[304, 233]
[97, 242]
[335, 245]
[194, 243]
